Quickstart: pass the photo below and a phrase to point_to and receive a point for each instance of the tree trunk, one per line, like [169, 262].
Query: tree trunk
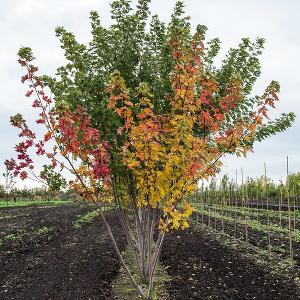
[140, 236]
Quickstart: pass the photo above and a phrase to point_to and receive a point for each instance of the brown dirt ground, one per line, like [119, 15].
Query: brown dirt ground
[202, 268]
[69, 263]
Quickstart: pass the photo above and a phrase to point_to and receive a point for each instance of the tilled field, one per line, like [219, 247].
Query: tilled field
[67, 263]
[43, 256]
[279, 241]
[202, 268]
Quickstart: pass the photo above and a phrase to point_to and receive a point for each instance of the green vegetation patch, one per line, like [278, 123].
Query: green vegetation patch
[90, 216]
[253, 224]
[4, 204]
[44, 230]
[15, 236]
[86, 219]
[122, 286]
[22, 234]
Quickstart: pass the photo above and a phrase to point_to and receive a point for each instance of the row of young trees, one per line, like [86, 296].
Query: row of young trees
[257, 204]
[254, 190]
[139, 115]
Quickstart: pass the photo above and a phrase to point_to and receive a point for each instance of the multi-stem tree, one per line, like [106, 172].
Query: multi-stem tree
[140, 116]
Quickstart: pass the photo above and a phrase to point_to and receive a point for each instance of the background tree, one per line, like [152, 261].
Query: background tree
[9, 183]
[2, 192]
[55, 181]
[293, 183]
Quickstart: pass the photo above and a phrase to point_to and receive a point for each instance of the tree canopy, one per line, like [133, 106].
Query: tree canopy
[138, 46]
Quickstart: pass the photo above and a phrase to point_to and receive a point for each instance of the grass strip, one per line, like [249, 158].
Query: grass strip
[10, 204]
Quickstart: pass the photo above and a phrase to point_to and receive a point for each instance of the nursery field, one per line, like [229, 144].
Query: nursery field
[64, 252]
[117, 180]
[272, 231]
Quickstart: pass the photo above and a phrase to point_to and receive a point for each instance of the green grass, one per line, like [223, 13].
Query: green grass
[122, 286]
[4, 204]
[86, 219]
[89, 217]
[254, 212]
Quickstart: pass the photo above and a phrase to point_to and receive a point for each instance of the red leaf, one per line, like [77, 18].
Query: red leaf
[29, 93]
[36, 103]
[24, 78]
[47, 136]
[23, 175]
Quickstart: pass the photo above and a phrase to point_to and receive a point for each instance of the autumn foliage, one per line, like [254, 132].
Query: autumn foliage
[162, 151]
[166, 157]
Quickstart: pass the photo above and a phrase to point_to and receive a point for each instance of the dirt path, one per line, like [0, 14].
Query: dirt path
[204, 269]
[73, 264]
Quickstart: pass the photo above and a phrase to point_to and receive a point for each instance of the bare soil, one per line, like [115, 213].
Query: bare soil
[203, 268]
[279, 241]
[69, 263]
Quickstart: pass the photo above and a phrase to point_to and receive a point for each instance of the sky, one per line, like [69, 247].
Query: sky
[32, 23]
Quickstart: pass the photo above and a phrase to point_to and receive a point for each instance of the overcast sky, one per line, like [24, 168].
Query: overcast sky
[32, 23]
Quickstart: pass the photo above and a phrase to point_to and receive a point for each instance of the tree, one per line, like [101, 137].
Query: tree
[293, 183]
[2, 192]
[55, 181]
[8, 184]
[140, 116]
